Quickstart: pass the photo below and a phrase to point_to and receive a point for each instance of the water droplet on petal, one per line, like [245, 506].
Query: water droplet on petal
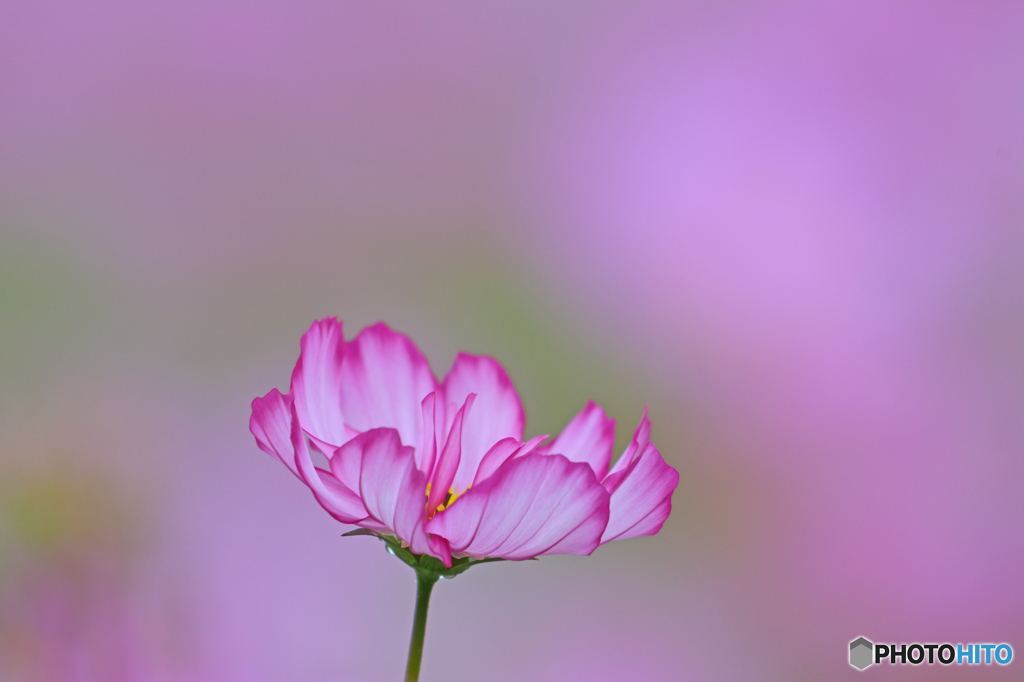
[391, 550]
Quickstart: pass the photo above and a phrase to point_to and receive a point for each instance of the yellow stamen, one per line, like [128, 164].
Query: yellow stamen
[452, 496]
[449, 499]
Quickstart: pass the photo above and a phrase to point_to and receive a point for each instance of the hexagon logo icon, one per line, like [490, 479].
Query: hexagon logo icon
[860, 653]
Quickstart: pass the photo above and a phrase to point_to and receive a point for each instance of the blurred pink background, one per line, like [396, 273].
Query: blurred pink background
[797, 231]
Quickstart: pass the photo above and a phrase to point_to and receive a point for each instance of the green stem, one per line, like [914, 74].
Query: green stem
[424, 585]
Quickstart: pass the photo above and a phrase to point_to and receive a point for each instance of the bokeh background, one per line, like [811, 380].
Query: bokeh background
[796, 231]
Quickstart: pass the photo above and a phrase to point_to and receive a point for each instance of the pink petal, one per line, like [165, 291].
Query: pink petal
[498, 412]
[440, 548]
[503, 450]
[384, 380]
[530, 445]
[448, 462]
[436, 420]
[587, 438]
[334, 496]
[641, 437]
[392, 487]
[347, 462]
[316, 384]
[642, 497]
[532, 505]
[271, 423]
[495, 457]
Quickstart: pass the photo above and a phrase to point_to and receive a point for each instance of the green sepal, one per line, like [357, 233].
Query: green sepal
[360, 531]
[426, 567]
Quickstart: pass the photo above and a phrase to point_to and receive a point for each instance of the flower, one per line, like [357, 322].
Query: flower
[442, 466]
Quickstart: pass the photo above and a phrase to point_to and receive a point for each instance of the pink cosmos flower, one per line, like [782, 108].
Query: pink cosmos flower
[442, 466]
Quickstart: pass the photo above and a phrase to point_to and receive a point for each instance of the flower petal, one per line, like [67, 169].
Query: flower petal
[589, 438]
[642, 497]
[347, 463]
[384, 380]
[334, 496]
[448, 463]
[532, 505]
[641, 437]
[392, 487]
[495, 457]
[316, 383]
[426, 454]
[498, 413]
[271, 424]
[440, 548]
[503, 450]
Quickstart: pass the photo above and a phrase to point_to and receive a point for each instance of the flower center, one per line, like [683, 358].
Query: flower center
[449, 499]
